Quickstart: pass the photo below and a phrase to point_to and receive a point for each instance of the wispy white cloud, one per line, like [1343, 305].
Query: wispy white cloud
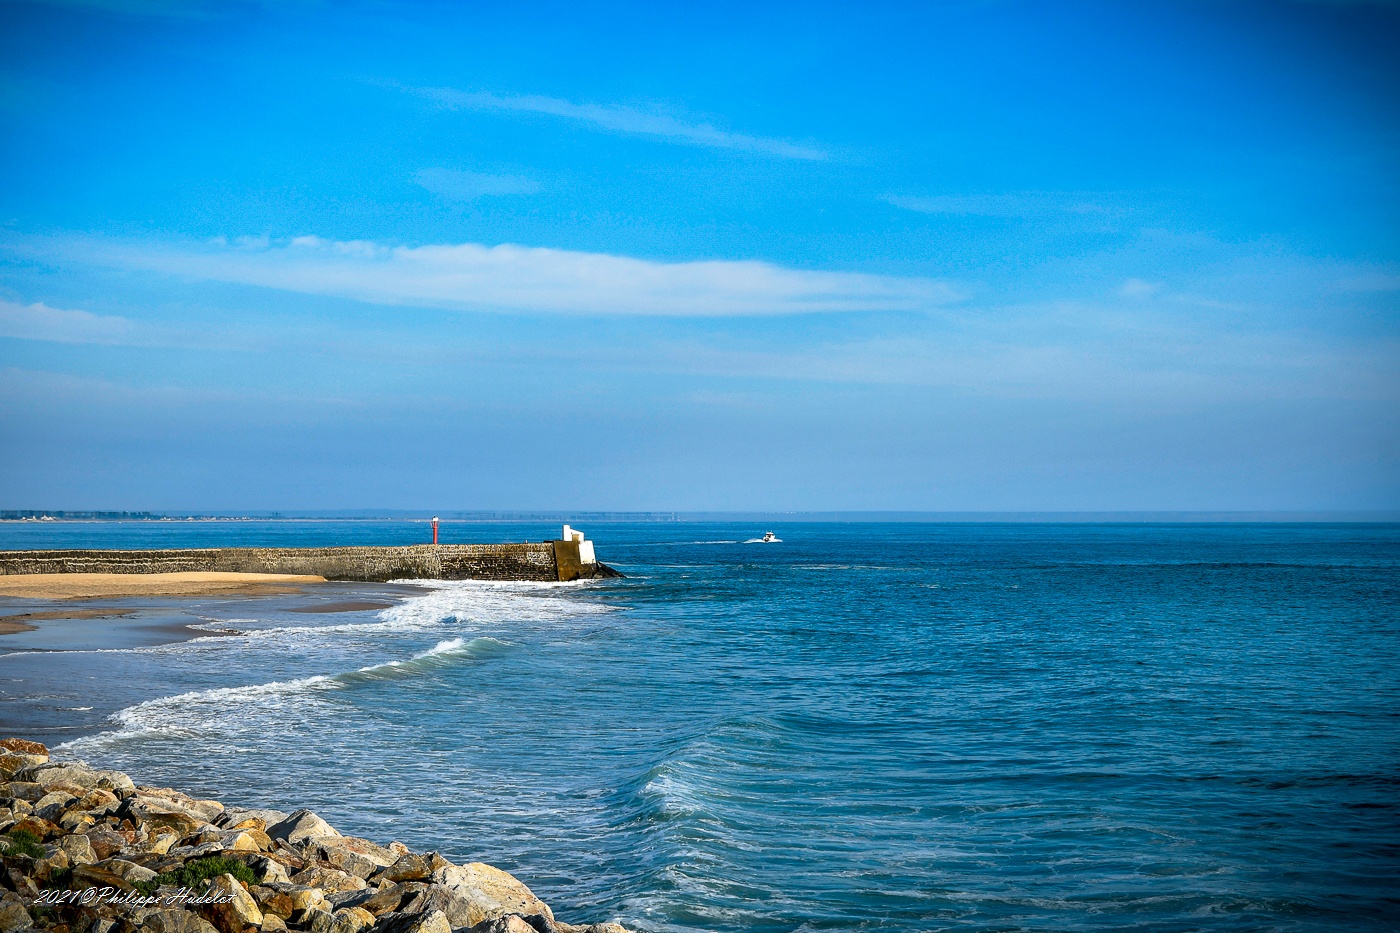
[510, 278]
[1019, 204]
[1138, 288]
[468, 186]
[1102, 352]
[1371, 282]
[617, 119]
[38, 321]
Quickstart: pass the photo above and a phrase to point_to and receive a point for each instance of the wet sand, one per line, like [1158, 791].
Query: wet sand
[358, 605]
[22, 622]
[99, 585]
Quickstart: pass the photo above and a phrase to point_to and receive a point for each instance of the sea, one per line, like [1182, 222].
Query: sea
[885, 726]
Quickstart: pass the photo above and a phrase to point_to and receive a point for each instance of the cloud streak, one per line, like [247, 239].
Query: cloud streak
[520, 279]
[38, 321]
[616, 119]
[468, 186]
[1022, 204]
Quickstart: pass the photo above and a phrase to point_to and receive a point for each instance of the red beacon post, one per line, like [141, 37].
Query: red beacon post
[435, 524]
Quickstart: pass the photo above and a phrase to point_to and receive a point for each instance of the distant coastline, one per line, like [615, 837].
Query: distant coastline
[901, 517]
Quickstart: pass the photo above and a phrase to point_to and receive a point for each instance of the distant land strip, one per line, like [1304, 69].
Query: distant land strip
[1024, 517]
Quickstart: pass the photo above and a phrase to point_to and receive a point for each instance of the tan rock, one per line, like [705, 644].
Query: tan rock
[79, 849]
[318, 921]
[306, 898]
[241, 840]
[329, 880]
[206, 811]
[408, 867]
[274, 902]
[25, 746]
[56, 773]
[383, 901]
[105, 841]
[24, 790]
[98, 799]
[130, 871]
[303, 824]
[162, 840]
[39, 827]
[353, 854]
[434, 921]
[511, 923]
[267, 870]
[251, 822]
[493, 892]
[351, 920]
[52, 805]
[176, 921]
[56, 861]
[13, 916]
[12, 763]
[273, 924]
[233, 816]
[76, 821]
[156, 811]
[459, 910]
[90, 876]
[239, 912]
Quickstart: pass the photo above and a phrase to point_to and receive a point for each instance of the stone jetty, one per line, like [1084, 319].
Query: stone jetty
[569, 558]
[91, 851]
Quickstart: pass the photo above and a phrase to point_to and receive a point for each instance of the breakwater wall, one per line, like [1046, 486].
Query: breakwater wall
[549, 561]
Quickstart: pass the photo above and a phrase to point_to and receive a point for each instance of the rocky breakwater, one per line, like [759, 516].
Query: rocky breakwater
[90, 851]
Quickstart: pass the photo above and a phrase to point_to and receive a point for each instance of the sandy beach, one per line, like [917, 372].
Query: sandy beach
[97, 585]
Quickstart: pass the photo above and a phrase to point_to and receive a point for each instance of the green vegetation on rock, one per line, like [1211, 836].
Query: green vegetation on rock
[23, 842]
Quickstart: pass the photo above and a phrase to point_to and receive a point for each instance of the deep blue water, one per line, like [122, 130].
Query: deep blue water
[866, 727]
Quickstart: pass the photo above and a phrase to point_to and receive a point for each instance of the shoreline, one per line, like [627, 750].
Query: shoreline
[58, 586]
[89, 849]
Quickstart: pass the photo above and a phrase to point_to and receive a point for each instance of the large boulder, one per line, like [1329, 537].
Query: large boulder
[234, 817]
[12, 763]
[28, 791]
[515, 923]
[24, 746]
[152, 812]
[459, 910]
[434, 921]
[13, 915]
[329, 880]
[52, 805]
[37, 826]
[303, 824]
[176, 921]
[359, 857]
[411, 867]
[206, 811]
[77, 775]
[129, 871]
[90, 876]
[495, 892]
[351, 920]
[378, 901]
[238, 909]
[79, 849]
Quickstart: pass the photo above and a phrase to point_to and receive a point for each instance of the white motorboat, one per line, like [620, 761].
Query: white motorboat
[770, 538]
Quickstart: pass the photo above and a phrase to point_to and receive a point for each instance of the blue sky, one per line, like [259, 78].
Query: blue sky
[957, 256]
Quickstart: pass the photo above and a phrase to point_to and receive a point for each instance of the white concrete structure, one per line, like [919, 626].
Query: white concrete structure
[585, 547]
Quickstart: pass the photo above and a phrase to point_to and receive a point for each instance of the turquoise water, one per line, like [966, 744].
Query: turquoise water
[865, 727]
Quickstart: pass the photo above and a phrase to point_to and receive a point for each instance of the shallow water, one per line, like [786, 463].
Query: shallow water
[892, 727]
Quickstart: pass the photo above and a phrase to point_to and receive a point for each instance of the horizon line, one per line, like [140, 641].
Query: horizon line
[984, 516]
